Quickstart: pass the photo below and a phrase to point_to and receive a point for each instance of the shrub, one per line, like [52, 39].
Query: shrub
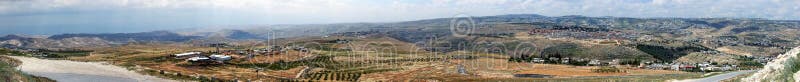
[630, 62]
[606, 69]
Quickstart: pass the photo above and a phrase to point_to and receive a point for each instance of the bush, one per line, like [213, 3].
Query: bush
[578, 63]
[606, 69]
[791, 66]
[630, 62]
[338, 76]
[750, 64]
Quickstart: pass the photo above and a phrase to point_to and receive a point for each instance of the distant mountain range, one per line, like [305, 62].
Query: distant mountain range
[746, 31]
[155, 36]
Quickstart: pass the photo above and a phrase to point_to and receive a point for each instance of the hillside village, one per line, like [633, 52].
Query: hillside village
[547, 49]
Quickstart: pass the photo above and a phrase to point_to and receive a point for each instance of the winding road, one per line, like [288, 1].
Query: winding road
[717, 78]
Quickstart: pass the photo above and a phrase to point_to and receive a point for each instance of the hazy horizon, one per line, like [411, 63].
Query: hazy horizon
[46, 17]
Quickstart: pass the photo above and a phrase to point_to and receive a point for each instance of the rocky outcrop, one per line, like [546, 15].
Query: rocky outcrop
[783, 69]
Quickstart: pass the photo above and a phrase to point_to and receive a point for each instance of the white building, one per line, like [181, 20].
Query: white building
[186, 55]
[198, 59]
[220, 57]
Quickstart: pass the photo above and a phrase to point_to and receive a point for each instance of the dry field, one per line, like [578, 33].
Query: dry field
[361, 64]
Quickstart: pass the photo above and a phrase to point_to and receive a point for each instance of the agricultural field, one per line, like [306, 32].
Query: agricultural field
[354, 61]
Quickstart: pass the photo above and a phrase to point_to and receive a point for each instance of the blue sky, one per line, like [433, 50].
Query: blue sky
[110, 16]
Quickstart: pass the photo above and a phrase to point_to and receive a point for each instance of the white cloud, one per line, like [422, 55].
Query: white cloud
[35, 16]
[381, 11]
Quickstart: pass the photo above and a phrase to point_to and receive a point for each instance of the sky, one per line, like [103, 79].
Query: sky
[113, 16]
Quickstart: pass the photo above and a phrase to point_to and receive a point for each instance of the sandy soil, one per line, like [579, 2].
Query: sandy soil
[68, 71]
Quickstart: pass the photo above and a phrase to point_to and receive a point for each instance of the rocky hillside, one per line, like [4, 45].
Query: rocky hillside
[130, 37]
[17, 41]
[783, 69]
[737, 36]
[91, 40]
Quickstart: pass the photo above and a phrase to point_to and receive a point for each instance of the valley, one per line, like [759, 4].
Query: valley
[516, 47]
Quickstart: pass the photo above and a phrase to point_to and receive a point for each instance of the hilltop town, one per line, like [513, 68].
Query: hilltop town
[497, 48]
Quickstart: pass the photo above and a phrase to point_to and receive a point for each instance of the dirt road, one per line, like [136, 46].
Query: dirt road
[72, 71]
[717, 78]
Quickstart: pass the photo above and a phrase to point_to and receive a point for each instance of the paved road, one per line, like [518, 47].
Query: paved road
[717, 78]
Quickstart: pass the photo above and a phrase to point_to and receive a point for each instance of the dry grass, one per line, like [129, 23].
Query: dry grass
[410, 66]
[288, 56]
[156, 57]
[745, 50]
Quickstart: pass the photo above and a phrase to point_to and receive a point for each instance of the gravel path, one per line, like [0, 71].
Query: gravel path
[73, 71]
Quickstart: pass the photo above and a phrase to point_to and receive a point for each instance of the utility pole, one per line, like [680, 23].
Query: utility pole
[217, 45]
